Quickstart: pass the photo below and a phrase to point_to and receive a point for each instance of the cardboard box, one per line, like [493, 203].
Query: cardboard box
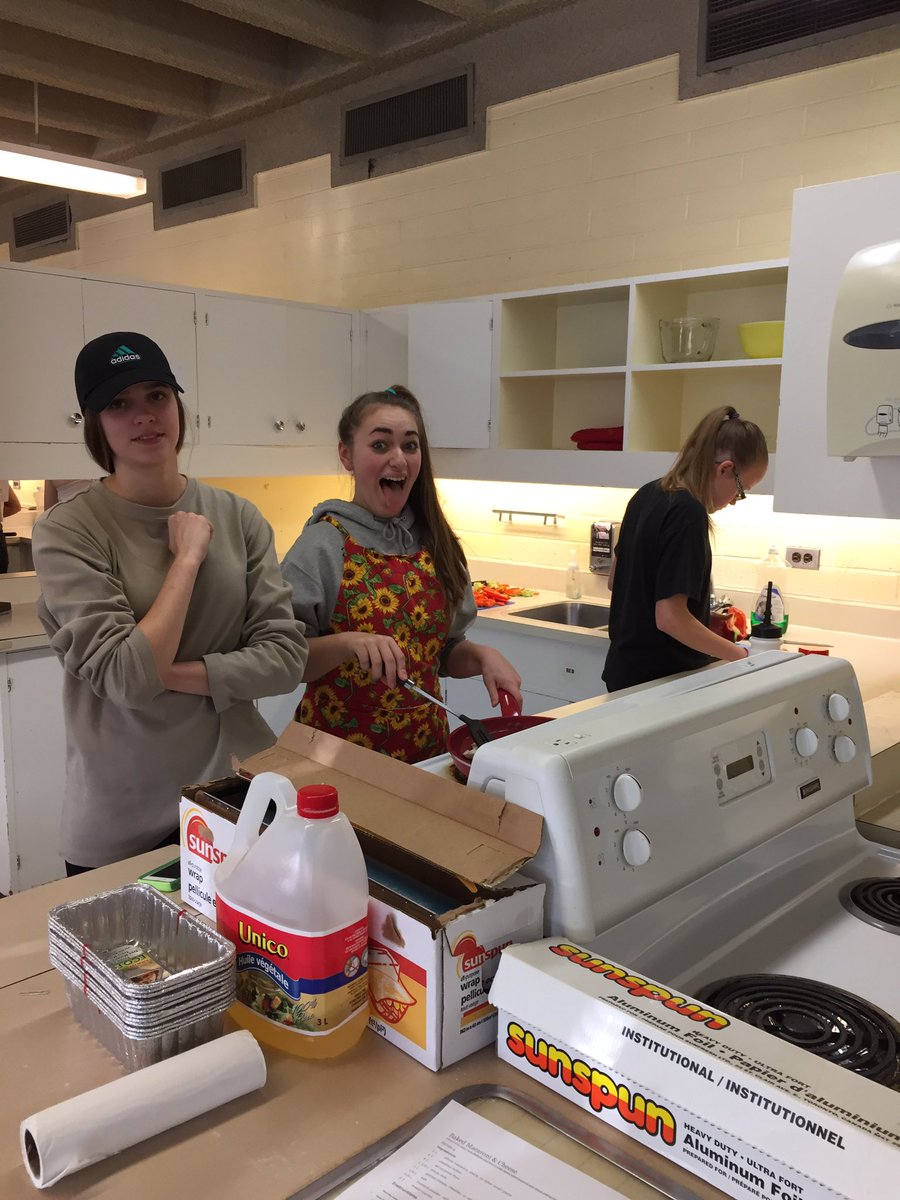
[753, 1115]
[444, 897]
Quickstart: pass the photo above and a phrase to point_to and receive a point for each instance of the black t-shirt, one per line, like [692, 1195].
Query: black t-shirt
[663, 550]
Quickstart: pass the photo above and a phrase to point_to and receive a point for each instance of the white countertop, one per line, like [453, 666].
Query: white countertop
[876, 660]
[20, 629]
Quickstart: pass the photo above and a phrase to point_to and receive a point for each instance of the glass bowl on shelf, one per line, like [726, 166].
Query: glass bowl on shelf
[688, 339]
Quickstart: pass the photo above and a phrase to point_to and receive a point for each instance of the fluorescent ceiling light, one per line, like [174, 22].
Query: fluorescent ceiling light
[63, 171]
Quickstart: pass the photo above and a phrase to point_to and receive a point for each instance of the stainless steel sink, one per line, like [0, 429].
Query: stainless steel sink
[580, 613]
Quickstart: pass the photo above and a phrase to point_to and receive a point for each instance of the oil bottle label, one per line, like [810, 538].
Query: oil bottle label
[310, 983]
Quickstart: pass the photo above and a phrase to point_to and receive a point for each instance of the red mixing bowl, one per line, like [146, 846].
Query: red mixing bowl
[460, 740]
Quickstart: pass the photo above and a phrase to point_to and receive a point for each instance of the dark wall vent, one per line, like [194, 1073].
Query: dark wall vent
[219, 174]
[438, 109]
[735, 31]
[43, 226]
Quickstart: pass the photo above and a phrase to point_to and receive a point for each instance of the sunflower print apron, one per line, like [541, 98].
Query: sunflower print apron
[401, 596]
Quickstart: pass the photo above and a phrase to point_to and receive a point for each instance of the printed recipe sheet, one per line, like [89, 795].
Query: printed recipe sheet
[461, 1156]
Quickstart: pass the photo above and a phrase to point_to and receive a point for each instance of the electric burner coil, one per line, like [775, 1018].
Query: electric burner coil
[827, 1021]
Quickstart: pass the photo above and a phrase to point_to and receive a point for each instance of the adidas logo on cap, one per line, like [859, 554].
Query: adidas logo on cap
[123, 354]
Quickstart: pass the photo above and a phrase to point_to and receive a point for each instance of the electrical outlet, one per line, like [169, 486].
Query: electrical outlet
[806, 558]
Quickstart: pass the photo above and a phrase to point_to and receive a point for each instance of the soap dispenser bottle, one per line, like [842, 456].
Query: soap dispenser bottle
[573, 581]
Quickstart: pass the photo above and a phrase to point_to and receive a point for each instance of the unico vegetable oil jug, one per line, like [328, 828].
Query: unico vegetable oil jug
[294, 902]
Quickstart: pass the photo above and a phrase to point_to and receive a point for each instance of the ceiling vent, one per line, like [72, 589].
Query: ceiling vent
[438, 109]
[201, 179]
[45, 226]
[735, 31]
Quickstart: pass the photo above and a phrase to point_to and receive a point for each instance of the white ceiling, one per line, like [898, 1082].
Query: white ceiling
[118, 78]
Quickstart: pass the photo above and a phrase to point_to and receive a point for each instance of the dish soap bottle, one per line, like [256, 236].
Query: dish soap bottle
[573, 583]
[771, 569]
[295, 903]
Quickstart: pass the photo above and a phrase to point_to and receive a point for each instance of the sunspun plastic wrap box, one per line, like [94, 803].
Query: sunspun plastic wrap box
[444, 896]
[752, 1115]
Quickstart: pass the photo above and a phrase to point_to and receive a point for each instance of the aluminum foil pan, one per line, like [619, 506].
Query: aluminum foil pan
[135, 1053]
[189, 949]
[142, 1023]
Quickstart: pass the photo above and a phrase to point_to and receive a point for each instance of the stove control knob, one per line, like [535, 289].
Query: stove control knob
[844, 748]
[838, 707]
[805, 742]
[626, 793]
[635, 848]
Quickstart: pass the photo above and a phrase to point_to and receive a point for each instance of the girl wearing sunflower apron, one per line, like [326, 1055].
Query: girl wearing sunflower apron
[382, 586]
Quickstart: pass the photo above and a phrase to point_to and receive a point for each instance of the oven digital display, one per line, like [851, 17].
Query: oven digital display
[740, 767]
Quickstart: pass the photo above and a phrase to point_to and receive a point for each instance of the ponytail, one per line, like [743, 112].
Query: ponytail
[437, 536]
[722, 434]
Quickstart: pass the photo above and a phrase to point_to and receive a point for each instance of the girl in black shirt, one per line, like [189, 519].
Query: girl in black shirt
[660, 578]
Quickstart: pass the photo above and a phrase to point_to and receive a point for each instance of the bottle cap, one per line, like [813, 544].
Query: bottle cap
[317, 800]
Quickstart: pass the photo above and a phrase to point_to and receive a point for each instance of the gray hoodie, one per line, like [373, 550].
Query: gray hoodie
[314, 564]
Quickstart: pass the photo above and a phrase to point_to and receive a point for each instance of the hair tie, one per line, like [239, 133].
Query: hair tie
[390, 391]
[731, 415]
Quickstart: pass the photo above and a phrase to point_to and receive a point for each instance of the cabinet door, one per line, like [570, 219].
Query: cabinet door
[450, 370]
[320, 377]
[41, 332]
[34, 737]
[162, 314]
[272, 374]
[384, 352]
[243, 371]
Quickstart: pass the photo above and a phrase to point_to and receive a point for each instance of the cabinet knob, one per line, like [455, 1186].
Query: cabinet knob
[301, 426]
[76, 418]
[278, 426]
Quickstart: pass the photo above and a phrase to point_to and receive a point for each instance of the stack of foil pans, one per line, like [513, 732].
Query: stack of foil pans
[142, 1023]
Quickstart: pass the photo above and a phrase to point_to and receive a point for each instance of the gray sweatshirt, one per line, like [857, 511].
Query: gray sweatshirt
[314, 564]
[130, 744]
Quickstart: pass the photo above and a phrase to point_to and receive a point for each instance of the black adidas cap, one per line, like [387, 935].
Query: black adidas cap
[114, 361]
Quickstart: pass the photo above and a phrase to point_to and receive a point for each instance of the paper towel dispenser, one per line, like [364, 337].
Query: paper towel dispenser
[863, 363]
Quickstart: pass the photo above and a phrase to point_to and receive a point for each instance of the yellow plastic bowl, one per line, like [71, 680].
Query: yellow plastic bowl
[762, 339]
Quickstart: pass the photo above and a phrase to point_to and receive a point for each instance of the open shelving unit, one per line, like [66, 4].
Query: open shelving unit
[590, 357]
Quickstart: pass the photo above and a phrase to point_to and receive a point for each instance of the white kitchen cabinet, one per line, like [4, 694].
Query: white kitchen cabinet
[270, 373]
[383, 356]
[166, 315]
[41, 332]
[33, 755]
[320, 373]
[450, 353]
[556, 667]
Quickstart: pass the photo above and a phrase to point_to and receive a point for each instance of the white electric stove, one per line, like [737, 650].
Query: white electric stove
[702, 831]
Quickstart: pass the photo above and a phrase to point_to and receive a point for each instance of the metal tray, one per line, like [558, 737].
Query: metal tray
[643, 1169]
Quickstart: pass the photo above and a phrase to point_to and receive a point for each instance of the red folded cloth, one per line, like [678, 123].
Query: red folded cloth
[607, 434]
[608, 438]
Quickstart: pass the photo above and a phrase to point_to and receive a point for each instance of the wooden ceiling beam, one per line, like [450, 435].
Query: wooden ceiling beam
[467, 9]
[166, 32]
[78, 114]
[92, 71]
[62, 141]
[315, 22]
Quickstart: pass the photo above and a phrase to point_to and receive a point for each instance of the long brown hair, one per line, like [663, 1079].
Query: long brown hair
[722, 434]
[98, 447]
[437, 536]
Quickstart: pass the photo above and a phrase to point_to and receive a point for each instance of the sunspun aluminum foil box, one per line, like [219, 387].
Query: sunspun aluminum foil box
[752, 1115]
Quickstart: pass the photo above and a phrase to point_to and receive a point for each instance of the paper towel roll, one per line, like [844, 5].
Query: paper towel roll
[88, 1128]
